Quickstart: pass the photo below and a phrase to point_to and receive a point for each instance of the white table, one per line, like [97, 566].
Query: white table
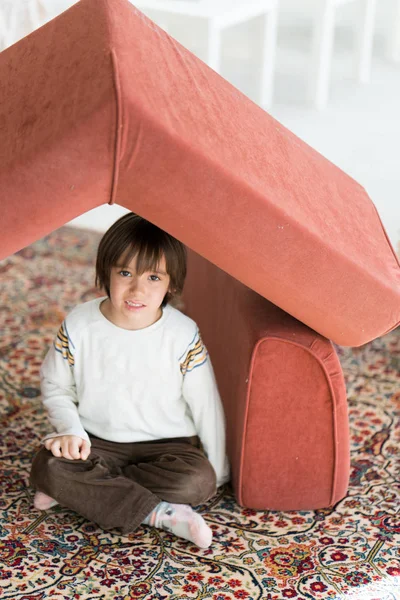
[221, 14]
[324, 25]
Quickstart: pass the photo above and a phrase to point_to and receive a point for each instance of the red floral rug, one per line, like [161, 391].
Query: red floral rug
[348, 552]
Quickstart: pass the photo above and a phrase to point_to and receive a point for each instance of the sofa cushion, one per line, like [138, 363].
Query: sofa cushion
[283, 392]
[100, 105]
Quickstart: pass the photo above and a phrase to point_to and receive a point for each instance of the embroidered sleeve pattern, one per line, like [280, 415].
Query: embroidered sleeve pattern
[62, 345]
[195, 355]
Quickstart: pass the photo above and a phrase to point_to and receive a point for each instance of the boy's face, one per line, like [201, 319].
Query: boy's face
[135, 300]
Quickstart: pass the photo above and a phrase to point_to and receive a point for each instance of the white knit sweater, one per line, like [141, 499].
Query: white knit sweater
[133, 386]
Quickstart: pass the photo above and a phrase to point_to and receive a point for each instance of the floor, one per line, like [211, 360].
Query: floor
[350, 551]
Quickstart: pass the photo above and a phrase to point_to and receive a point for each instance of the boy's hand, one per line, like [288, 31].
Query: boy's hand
[68, 446]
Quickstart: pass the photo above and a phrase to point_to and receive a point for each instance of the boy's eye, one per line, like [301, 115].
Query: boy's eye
[154, 278]
[124, 273]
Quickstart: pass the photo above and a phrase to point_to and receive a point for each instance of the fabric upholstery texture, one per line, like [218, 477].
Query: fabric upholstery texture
[100, 105]
[283, 392]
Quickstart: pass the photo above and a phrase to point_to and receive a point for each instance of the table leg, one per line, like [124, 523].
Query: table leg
[3, 30]
[8, 25]
[213, 45]
[393, 49]
[268, 57]
[322, 47]
[365, 39]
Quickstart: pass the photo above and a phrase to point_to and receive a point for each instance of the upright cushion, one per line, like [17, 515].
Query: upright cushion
[100, 105]
[283, 392]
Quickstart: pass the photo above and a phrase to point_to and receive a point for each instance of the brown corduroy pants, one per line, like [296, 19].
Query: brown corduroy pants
[120, 484]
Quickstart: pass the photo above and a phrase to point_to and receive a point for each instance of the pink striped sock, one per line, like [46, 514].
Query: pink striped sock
[42, 501]
[182, 521]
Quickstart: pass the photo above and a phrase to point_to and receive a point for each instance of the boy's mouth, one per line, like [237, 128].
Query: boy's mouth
[135, 304]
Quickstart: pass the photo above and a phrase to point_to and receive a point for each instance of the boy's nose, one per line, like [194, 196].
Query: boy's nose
[137, 285]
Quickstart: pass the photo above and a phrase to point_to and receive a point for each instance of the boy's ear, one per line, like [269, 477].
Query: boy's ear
[177, 302]
[171, 291]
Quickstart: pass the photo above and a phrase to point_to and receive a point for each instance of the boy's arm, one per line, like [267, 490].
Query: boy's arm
[59, 390]
[201, 393]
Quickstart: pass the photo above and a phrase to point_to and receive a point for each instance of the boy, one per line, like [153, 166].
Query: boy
[131, 394]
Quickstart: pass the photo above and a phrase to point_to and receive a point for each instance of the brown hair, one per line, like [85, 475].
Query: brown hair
[133, 236]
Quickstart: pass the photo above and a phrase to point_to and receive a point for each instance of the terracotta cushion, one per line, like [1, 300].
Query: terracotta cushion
[100, 105]
[283, 391]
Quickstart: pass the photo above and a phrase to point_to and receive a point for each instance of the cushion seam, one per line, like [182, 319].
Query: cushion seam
[118, 128]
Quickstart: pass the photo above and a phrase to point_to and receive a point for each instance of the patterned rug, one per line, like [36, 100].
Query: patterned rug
[350, 551]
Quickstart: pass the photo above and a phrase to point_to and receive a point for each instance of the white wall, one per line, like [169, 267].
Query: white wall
[99, 219]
